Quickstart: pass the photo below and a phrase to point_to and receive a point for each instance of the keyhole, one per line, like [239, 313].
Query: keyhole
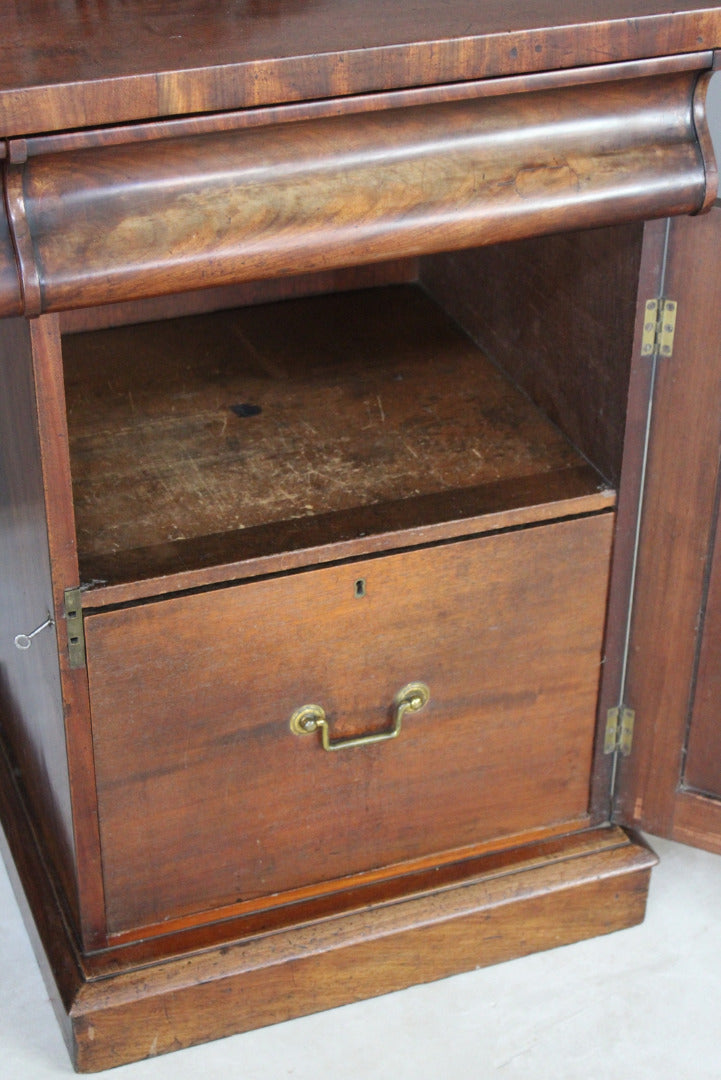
[360, 588]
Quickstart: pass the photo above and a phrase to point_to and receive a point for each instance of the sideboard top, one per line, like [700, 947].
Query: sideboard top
[77, 63]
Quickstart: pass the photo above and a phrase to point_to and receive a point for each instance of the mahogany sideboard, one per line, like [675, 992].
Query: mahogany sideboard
[359, 446]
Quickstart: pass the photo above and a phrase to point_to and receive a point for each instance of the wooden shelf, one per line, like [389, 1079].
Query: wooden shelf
[296, 419]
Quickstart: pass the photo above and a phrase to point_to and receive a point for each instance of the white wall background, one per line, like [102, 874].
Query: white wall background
[713, 104]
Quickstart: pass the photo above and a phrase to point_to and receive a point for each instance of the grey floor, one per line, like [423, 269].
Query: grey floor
[642, 1003]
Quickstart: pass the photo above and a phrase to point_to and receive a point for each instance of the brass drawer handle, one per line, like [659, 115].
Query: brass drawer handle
[311, 718]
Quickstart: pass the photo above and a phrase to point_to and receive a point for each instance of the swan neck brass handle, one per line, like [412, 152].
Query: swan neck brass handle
[311, 718]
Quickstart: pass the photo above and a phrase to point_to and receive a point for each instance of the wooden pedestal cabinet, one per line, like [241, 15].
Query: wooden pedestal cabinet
[360, 428]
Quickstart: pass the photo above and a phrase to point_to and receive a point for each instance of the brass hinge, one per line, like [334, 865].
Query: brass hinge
[659, 327]
[76, 633]
[619, 730]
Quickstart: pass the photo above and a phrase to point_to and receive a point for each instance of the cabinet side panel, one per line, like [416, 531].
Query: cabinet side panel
[31, 711]
[570, 350]
[62, 547]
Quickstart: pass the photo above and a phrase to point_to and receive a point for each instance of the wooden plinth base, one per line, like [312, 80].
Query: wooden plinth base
[134, 1002]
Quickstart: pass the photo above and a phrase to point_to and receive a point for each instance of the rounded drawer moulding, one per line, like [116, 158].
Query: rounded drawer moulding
[113, 223]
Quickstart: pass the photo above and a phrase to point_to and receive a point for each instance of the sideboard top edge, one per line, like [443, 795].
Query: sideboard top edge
[66, 69]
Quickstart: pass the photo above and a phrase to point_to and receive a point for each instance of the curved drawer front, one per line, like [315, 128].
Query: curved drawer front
[208, 795]
[11, 301]
[114, 223]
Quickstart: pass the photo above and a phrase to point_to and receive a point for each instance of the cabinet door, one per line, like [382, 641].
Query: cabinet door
[702, 768]
[671, 782]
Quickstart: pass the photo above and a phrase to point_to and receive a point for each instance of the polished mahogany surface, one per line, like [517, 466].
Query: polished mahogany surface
[70, 64]
[192, 865]
[111, 223]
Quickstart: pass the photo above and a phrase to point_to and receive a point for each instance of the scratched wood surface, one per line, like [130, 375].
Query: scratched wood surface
[227, 421]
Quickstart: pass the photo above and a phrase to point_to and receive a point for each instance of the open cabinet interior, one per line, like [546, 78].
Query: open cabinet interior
[451, 389]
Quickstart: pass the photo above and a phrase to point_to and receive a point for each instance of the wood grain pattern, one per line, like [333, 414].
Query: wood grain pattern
[521, 655]
[22, 242]
[291, 545]
[112, 1006]
[356, 892]
[706, 142]
[678, 523]
[10, 294]
[240, 119]
[121, 222]
[38, 894]
[557, 315]
[67, 66]
[30, 695]
[702, 769]
[353, 134]
[62, 552]
[374, 953]
[650, 280]
[697, 820]
[257, 417]
[242, 294]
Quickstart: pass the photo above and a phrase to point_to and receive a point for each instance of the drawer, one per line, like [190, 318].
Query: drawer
[104, 223]
[208, 798]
